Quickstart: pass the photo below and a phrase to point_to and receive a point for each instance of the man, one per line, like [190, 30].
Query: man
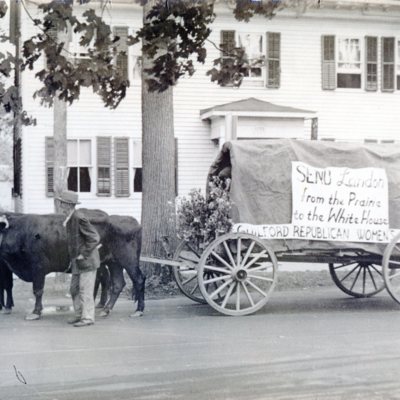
[83, 243]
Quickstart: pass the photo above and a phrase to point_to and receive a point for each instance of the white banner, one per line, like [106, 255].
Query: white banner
[334, 204]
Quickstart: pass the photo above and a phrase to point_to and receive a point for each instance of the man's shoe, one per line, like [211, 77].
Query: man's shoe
[73, 320]
[83, 323]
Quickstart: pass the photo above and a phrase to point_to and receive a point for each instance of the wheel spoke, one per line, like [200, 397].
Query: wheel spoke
[228, 294]
[216, 269]
[260, 267]
[256, 258]
[248, 294]
[256, 288]
[262, 278]
[221, 260]
[239, 251]
[356, 278]
[249, 250]
[189, 280]
[364, 278]
[344, 265]
[238, 297]
[372, 278]
[221, 288]
[195, 287]
[375, 269]
[218, 278]
[394, 275]
[394, 262]
[349, 273]
[228, 251]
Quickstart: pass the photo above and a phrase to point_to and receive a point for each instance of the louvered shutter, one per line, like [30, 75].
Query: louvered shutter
[273, 64]
[49, 157]
[328, 63]
[388, 64]
[103, 166]
[121, 167]
[227, 45]
[371, 63]
[122, 50]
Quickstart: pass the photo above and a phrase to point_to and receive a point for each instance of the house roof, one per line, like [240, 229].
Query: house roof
[255, 107]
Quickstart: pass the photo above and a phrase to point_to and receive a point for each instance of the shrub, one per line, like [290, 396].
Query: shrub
[201, 219]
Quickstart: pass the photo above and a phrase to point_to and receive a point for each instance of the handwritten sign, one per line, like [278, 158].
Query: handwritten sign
[334, 204]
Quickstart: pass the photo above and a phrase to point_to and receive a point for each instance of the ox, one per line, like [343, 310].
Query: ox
[34, 245]
[6, 285]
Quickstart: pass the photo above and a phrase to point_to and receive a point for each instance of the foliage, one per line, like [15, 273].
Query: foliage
[179, 29]
[175, 33]
[64, 77]
[201, 219]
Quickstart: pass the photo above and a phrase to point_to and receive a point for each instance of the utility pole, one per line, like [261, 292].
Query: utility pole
[15, 38]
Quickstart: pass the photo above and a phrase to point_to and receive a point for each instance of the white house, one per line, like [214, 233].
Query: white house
[330, 71]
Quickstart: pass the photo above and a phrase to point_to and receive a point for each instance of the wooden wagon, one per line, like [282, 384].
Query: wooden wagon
[348, 195]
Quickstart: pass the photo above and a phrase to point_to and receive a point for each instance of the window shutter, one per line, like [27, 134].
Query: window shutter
[328, 71]
[121, 59]
[49, 156]
[103, 166]
[388, 64]
[227, 45]
[121, 167]
[273, 59]
[371, 63]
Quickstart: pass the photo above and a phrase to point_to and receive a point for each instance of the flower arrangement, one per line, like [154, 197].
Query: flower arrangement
[200, 218]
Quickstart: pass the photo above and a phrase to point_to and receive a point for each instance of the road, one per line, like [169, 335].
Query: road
[305, 344]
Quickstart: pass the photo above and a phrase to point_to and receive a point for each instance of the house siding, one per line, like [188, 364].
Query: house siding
[343, 114]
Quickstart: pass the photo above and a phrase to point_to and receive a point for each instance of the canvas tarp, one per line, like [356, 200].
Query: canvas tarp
[261, 187]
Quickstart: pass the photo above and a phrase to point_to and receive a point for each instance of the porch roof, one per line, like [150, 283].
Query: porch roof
[255, 108]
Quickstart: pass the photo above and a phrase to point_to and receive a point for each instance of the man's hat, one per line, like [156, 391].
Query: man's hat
[68, 196]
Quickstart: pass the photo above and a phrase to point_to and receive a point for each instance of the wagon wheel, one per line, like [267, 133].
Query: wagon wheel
[391, 267]
[244, 274]
[186, 275]
[358, 279]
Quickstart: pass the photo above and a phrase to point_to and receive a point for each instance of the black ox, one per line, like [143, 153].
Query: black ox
[34, 245]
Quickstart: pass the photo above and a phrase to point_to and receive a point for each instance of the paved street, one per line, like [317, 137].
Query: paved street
[317, 344]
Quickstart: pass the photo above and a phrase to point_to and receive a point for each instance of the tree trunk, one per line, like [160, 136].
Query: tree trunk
[60, 136]
[158, 198]
[60, 148]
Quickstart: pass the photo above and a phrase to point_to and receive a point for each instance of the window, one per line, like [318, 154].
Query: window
[121, 59]
[371, 63]
[79, 162]
[252, 43]
[349, 63]
[103, 166]
[388, 59]
[137, 166]
[262, 52]
[49, 157]
[121, 147]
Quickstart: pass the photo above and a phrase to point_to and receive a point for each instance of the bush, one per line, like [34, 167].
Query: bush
[201, 219]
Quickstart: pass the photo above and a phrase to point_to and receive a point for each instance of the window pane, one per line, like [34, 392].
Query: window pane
[349, 53]
[137, 181]
[84, 179]
[73, 179]
[349, 81]
[85, 154]
[252, 43]
[72, 152]
[103, 180]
